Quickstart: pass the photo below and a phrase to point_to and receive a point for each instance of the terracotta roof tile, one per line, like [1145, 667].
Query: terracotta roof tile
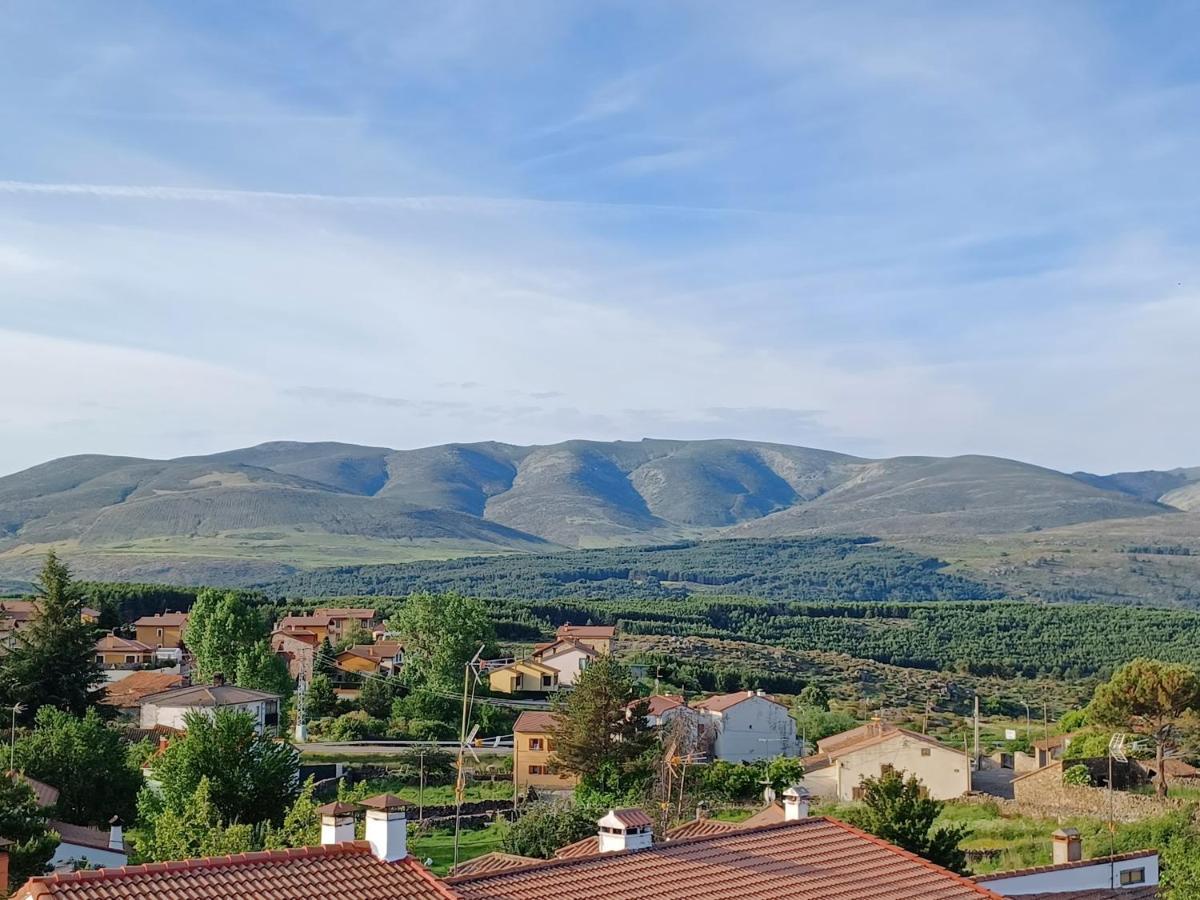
[164, 620]
[812, 859]
[207, 695]
[303, 622]
[535, 721]
[631, 817]
[722, 702]
[128, 692]
[311, 873]
[588, 846]
[586, 631]
[494, 862]
[700, 828]
[114, 643]
[343, 612]
[768, 815]
[45, 794]
[660, 703]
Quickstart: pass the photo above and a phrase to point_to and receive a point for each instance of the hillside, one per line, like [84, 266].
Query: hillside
[264, 512]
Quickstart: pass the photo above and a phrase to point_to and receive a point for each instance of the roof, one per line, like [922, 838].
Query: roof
[768, 815]
[868, 738]
[815, 858]
[45, 794]
[112, 643]
[660, 703]
[128, 692]
[1077, 864]
[527, 664]
[295, 634]
[536, 721]
[853, 735]
[587, 631]
[493, 862]
[81, 835]
[303, 622]
[588, 846]
[310, 873]
[1145, 892]
[207, 695]
[722, 702]
[164, 620]
[630, 818]
[560, 646]
[700, 828]
[24, 610]
[344, 612]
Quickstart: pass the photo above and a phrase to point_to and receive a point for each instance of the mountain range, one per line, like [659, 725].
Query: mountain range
[278, 507]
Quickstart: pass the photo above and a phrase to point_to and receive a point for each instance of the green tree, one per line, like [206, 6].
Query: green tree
[352, 636]
[813, 695]
[441, 633]
[377, 694]
[783, 772]
[301, 825]
[54, 661]
[194, 827]
[898, 810]
[221, 626]
[320, 699]
[545, 827]
[1148, 697]
[595, 739]
[23, 822]
[1078, 776]
[252, 778]
[259, 668]
[86, 760]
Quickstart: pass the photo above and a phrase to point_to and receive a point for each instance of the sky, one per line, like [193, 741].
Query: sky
[880, 228]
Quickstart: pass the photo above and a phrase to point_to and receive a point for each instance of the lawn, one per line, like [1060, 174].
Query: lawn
[433, 795]
[437, 846]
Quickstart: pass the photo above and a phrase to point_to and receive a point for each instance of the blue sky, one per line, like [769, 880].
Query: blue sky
[879, 228]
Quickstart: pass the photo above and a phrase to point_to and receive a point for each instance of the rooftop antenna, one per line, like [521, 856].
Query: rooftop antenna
[1116, 750]
[469, 669]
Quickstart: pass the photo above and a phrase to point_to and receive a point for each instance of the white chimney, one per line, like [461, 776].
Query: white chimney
[1067, 846]
[337, 822]
[625, 829]
[116, 835]
[795, 803]
[387, 827]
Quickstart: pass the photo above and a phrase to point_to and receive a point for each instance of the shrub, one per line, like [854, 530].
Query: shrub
[1078, 776]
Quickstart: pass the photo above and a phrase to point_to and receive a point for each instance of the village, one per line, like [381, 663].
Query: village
[526, 796]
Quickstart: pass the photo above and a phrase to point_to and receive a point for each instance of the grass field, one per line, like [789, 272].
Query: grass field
[438, 845]
[434, 795]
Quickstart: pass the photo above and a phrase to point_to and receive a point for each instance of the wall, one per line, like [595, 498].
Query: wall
[945, 773]
[1043, 792]
[170, 637]
[569, 664]
[1078, 878]
[822, 782]
[99, 859]
[173, 716]
[754, 729]
[524, 757]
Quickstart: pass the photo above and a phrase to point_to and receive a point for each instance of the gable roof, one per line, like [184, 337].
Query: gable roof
[560, 646]
[295, 634]
[309, 873]
[536, 721]
[207, 695]
[493, 862]
[587, 631]
[313, 621]
[700, 828]
[44, 794]
[816, 858]
[527, 664]
[721, 702]
[111, 643]
[82, 836]
[164, 620]
[771, 814]
[828, 755]
[128, 692]
[345, 612]
[1059, 867]
[25, 610]
[659, 703]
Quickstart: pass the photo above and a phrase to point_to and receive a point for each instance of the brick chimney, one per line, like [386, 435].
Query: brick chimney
[387, 827]
[1067, 846]
[625, 829]
[116, 834]
[795, 803]
[337, 822]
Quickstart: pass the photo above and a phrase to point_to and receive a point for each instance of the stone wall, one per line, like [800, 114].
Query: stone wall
[1043, 793]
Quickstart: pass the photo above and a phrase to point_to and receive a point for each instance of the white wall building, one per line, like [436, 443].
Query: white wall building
[747, 726]
[79, 844]
[170, 708]
[1071, 874]
[567, 657]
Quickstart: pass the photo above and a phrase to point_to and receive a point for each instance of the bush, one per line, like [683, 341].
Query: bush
[545, 827]
[355, 726]
[1078, 776]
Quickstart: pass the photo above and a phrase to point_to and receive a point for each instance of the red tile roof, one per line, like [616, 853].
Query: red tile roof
[1077, 864]
[342, 612]
[586, 631]
[562, 645]
[81, 835]
[114, 644]
[660, 703]
[303, 622]
[45, 794]
[535, 721]
[205, 695]
[861, 738]
[312, 873]
[768, 815]
[631, 817]
[813, 859]
[722, 702]
[163, 620]
[700, 828]
[128, 692]
[493, 862]
[588, 846]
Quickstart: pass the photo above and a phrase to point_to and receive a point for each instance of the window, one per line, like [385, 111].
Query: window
[547, 680]
[271, 716]
[1133, 876]
[160, 632]
[537, 744]
[926, 751]
[129, 658]
[537, 770]
[100, 659]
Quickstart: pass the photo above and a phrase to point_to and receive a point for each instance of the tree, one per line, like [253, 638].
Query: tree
[812, 695]
[1148, 697]
[783, 772]
[301, 826]
[595, 739]
[54, 661]
[192, 828]
[320, 699]
[377, 694]
[899, 811]
[251, 778]
[258, 667]
[1078, 776]
[221, 626]
[441, 633]
[23, 822]
[86, 760]
[545, 827]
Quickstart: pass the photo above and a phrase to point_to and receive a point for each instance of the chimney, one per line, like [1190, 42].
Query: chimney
[387, 827]
[337, 822]
[116, 834]
[795, 803]
[625, 829]
[4, 845]
[701, 811]
[218, 679]
[1067, 846]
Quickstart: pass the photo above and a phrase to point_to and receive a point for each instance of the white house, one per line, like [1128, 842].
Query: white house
[747, 726]
[79, 844]
[566, 656]
[1072, 875]
[170, 708]
[836, 771]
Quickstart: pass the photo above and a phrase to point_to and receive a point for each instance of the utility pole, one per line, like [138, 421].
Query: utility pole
[976, 732]
[421, 788]
[1028, 727]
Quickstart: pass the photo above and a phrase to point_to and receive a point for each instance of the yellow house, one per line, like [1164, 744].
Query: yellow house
[316, 625]
[524, 675]
[381, 657]
[163, 630]
[533, 745]
[599, 637]
[114, 652]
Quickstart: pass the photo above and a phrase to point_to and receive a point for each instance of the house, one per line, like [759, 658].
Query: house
[127, 694]
[662, 709]
[298, 647]
[523, 676]
[377, 868]
[164, 630]
[343, 621]
[747, 726]
[801, 856]
[317, 626]
[115, 652]
[600, 638]
[80, 845]
[566, 656]
[842, 761]
[170, 708]
[382, 657]
[1047, 750]
[533, 745]
[16, 615]
[1125, 876]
